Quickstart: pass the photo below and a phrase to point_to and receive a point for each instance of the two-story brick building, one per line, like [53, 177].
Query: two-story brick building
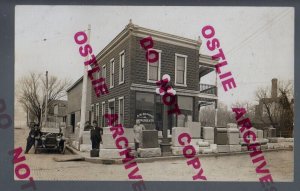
[131, 80]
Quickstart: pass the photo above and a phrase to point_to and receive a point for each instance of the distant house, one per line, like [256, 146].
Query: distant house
[131, 80]
[74, 93]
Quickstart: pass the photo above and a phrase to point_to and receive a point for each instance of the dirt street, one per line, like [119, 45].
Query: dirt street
[225, 168]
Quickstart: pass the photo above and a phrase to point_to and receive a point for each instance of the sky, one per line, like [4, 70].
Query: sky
[258, 42]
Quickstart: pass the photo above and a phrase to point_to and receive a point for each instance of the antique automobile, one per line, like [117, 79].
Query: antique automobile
[50, 139]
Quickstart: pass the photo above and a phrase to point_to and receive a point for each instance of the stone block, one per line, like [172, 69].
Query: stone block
[210, 141]
[264, 147]
[195, 141]
[201, 149]
[235, 148]
[207, 151]
[231, 125]
[223, 148]
[276, 139]
[195, 129]
[260, 134]
[262, 141]
[149, 152]
[214, 148]
[244, 148]
[203, 144]
[208, 133]
[129, 134]
[221, 138]
[110, 154]
[176, 131]
[86, 137]
[289, 139]
[85, 147]
[76, 145]
[177, 150]
[233, 136]
[106, 130]
[149, 139]
[108, 141]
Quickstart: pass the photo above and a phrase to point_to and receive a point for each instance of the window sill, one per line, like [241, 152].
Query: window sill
[181, 85]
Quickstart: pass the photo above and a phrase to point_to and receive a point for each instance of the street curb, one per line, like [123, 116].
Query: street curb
[153, 159]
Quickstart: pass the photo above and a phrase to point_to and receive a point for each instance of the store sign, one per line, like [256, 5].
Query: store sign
[145, 117]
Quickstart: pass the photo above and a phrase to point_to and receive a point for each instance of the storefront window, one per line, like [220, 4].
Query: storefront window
[186, 107]
[145, 108]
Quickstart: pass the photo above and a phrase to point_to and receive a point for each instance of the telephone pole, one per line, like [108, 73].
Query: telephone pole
[46, 101]
[84, 90]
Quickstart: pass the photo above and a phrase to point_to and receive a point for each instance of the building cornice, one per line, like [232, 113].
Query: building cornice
[157, 36]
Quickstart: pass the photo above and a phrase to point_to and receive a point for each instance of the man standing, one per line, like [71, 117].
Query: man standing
[96, 138]
[137, 129]
[34, 132]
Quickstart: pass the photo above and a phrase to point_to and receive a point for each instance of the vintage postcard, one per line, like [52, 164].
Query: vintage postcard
[154, 93]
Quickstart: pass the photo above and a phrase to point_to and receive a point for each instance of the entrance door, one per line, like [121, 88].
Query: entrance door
[73, 122]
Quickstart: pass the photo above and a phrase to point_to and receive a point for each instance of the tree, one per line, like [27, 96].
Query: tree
[32, 91]
[224, 116]
[279, 110]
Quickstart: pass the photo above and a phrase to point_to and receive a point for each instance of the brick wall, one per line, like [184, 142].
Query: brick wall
[167, 63]
[118, 90]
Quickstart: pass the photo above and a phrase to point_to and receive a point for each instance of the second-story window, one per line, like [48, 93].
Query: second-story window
[153, 71]
[180, 69]
[112, 73]
[103, 75]
[121, 69]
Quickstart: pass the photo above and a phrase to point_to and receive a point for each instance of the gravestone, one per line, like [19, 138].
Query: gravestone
[176, 131]
[86, 137]
[233, 136]
[195, 128]
[208, 134]
[223, 148]
[110, 154]
[260, 134]
[221, 136]
[235, 148]
[149, 139]
[129, 134]
[231, 125]
[108, 141]
[149, 152]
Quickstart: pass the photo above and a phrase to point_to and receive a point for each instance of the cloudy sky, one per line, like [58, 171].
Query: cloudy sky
[258, 42]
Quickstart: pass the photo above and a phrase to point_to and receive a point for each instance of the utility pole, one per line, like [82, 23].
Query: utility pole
[46, 102]
[84, 90]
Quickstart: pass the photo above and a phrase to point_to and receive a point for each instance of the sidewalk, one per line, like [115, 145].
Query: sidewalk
[86, 156]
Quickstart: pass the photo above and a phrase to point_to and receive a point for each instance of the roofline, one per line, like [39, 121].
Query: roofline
[135, 30]
[73, 85]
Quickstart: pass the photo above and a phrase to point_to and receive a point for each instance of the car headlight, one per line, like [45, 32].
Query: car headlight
[43, 138]
[58, 138]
